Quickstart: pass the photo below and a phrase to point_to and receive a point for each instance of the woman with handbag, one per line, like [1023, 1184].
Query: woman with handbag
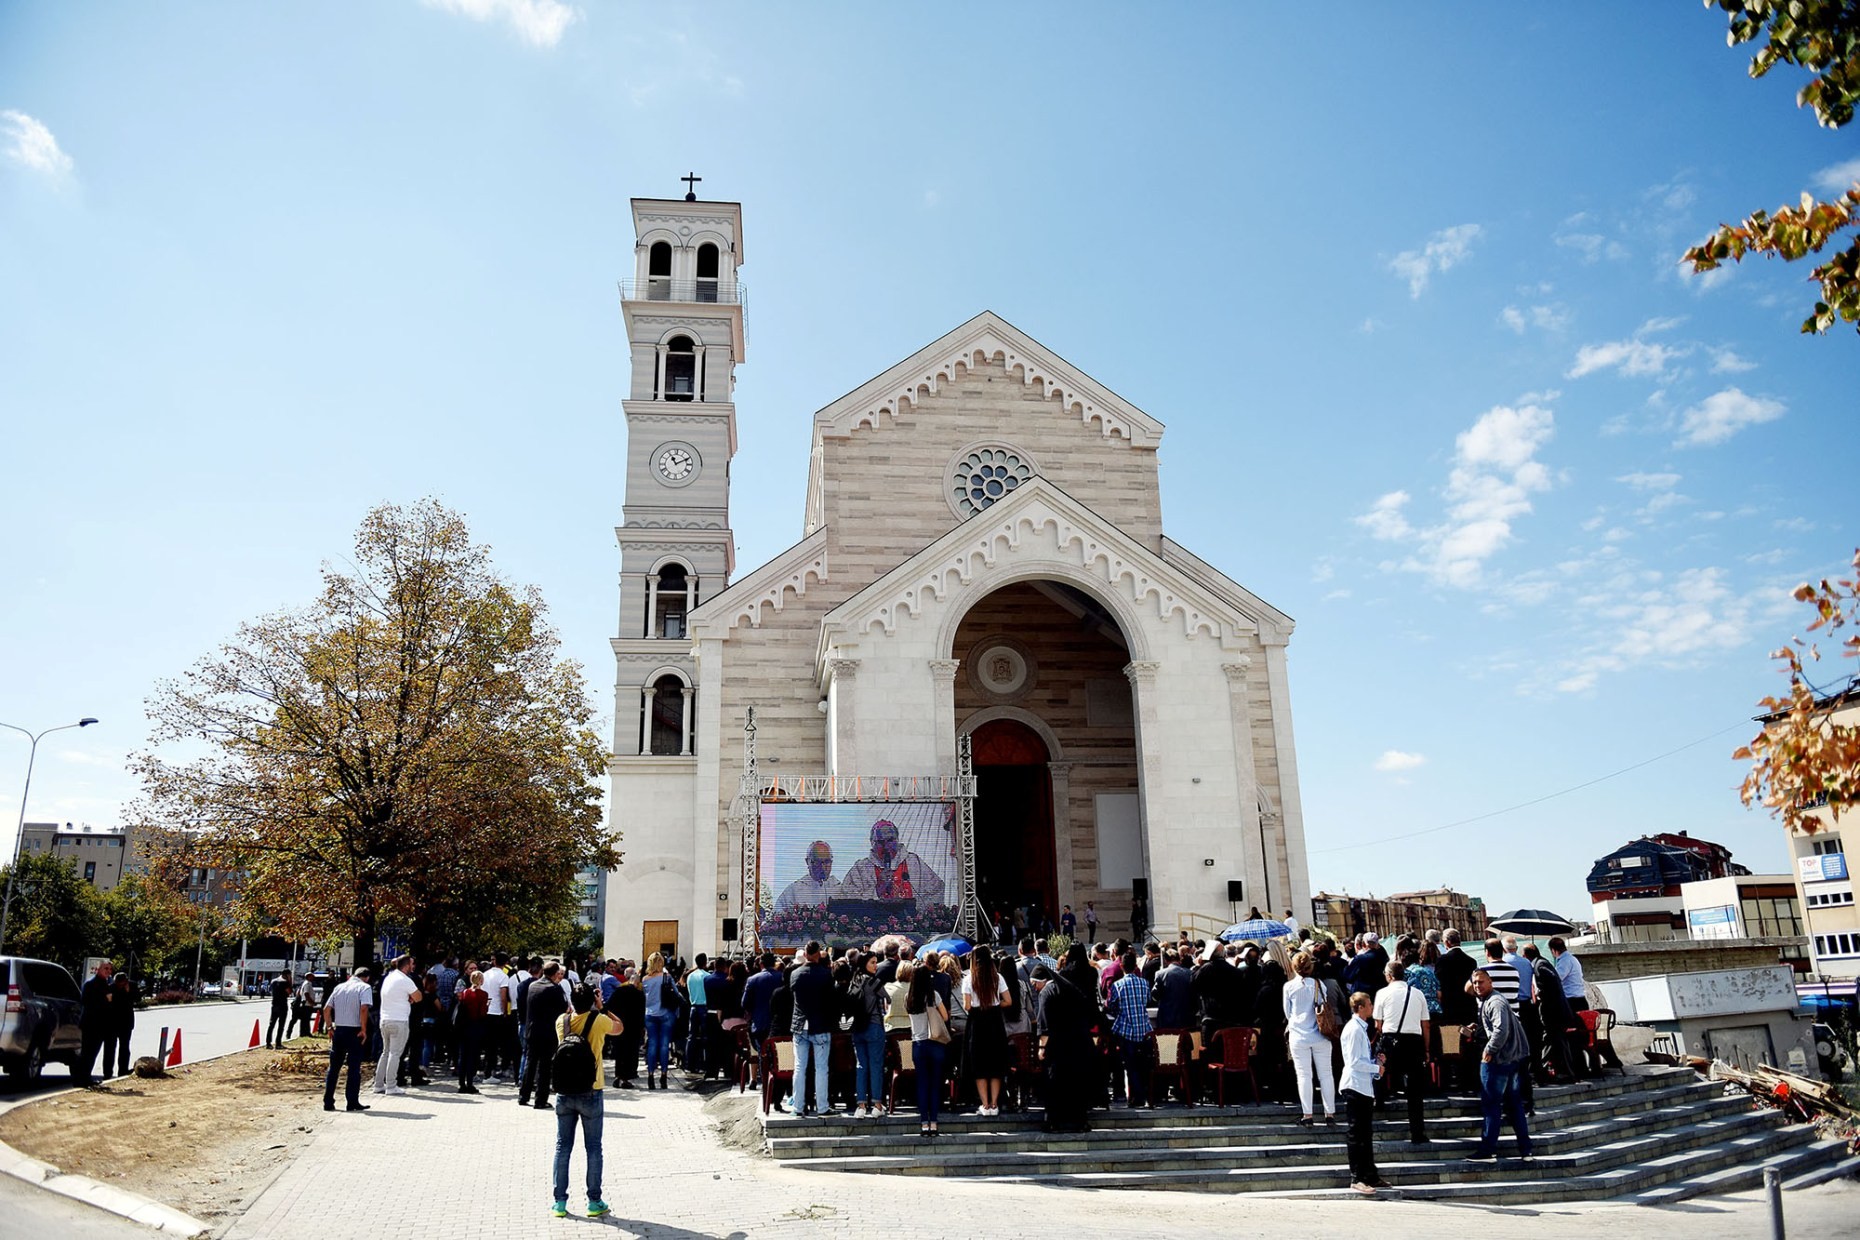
[929, 1038]
[985, 1058]
[1310, 1024]
[1402, 1027]
[662, 1004]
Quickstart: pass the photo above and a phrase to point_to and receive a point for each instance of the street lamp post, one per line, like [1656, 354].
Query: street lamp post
[19, 839]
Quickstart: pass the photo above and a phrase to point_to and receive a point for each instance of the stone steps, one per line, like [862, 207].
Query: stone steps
[782, 1126]
[1654, 1135]
[1313, 1164]
[966, 1134]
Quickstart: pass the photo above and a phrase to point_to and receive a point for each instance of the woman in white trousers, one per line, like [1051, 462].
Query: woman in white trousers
[1310, 1049]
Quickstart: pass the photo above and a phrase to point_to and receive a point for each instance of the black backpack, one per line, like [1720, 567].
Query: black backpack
[573, 1066]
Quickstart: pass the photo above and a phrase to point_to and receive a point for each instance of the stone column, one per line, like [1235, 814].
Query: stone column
[687, 701]
[1061, 775]
[1291, 807]
[658, 383]
[943, 694]
[1142, 677]
[843, 675]
[697, 370]
[652, 605]
[1258, 865]
[645, 719]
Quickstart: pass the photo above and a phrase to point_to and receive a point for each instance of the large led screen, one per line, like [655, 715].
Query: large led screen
[850, 872]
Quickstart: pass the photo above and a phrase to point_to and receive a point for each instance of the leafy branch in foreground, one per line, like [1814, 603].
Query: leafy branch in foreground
[1823, 37]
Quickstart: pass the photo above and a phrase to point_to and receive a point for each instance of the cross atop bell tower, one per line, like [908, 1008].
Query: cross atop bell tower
[683, 308]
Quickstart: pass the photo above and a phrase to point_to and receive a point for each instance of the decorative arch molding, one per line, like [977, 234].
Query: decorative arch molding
[689, 331]
[653, 236]
[768, 589]
[665, 561]
[977, 356]
[962, 595]
[988, 340]
[1040, 533]
[1055, 752]
[668, 669]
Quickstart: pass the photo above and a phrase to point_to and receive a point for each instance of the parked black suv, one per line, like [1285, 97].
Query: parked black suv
[40, 1022]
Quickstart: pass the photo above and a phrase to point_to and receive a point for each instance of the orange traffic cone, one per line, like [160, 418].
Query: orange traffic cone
[316, 1022]
[254, 1041]
[174, 1052]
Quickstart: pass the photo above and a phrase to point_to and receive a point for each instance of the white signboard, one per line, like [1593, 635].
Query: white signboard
[1823, 867]
[1713, 923]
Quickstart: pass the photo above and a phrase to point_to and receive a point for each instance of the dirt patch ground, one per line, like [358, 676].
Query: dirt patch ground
[739, 1124]
[204, 1140]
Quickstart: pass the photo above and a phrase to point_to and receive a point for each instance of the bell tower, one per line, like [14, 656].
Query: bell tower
[683, 308]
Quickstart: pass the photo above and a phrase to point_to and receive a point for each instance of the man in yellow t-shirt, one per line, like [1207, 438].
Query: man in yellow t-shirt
[581, 1101]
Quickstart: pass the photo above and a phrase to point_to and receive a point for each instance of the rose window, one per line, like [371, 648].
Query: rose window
[984, 476]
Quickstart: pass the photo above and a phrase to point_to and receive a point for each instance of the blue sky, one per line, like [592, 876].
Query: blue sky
[1406, 295]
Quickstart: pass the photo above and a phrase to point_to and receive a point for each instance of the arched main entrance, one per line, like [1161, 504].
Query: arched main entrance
[1014, 854]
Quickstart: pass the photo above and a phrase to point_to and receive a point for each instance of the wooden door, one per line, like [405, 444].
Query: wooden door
[658, 936]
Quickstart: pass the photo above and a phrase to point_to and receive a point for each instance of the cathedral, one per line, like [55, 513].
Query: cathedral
[981, 557]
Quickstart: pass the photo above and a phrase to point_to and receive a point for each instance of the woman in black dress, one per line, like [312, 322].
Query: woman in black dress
[1066, 1018]
[1271, 1061]
[985, 1056]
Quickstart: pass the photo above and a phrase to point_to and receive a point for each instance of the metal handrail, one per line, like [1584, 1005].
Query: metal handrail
[703, 292]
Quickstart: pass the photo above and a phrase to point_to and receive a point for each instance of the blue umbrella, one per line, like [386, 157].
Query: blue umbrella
[1257, 928]
[955, 945]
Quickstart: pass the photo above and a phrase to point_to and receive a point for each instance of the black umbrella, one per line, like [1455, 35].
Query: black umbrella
[1532, 921]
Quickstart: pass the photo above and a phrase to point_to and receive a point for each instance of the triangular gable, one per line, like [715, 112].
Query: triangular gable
[1275, 627]
[1095, 552]
[988, 337]
[769, 586]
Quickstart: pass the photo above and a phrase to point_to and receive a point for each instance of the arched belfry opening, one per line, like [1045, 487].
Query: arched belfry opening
[1042, 693]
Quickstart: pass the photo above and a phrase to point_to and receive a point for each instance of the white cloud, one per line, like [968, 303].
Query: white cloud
[1493, 477]
[1384, 519]
[1578, 233]
[1723, 414]
[1547, 318]
[1631, 357]
[540, 23]
[1837, 178]
[1727, 361]
[30, 145]
[1650, 482]
[1396, 760]
[1646, 618]
[1445, 249]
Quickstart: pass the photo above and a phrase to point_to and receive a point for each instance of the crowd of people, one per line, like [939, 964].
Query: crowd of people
[1326, 1025]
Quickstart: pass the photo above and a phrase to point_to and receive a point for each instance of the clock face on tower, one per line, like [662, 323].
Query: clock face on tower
[675, 463]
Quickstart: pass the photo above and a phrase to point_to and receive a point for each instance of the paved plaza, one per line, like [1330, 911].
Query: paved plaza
[438, 1163]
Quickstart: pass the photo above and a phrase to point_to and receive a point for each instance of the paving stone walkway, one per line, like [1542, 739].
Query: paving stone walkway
[437, 1163]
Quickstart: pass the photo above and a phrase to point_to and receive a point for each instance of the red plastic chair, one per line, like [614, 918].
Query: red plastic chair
[1234, 1050]
[777, 1070]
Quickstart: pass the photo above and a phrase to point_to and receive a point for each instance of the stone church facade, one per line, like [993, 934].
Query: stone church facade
[983, 554]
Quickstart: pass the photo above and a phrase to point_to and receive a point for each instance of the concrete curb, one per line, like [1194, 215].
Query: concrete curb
[117, 1201]
[106, 1197]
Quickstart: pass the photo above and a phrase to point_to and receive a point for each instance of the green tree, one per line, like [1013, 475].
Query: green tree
[148, 923]
[1823, 37]
[56, 915]
[406, 751]
[1806, 755]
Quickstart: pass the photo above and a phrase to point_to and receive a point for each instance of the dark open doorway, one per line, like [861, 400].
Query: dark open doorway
[1014, 858]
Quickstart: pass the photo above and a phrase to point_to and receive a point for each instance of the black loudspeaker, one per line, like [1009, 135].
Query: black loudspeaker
[1236, 891]
[1139, 889]
[729, 929]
